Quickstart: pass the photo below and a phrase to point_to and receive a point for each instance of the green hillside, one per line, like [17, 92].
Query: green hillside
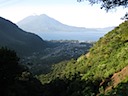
[109, 54]
[94, 73]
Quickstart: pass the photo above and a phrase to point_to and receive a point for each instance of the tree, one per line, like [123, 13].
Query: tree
[15, 80]
[109, 4]
[9, 67]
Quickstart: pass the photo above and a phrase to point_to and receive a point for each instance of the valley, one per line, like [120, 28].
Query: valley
[63, 67]
[58, 51]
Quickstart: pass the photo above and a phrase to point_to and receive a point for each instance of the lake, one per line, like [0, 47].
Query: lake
[81, 36]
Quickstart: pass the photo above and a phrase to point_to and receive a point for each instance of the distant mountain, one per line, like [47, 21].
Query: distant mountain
[44, 23]
[51, 29]
[15, 38]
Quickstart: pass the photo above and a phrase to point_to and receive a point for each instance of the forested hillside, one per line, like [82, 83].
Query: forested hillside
[24, 43]
[96, 72]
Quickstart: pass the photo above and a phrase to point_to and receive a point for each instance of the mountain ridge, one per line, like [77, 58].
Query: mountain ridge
[15, 38]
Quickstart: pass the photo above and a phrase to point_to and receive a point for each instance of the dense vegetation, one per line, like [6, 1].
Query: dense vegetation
[92, 74]
[121, 89]
[16, 80]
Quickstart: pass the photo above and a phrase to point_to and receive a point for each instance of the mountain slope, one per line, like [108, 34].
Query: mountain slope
[22, 42]
[103, 67]
[106, 57]
[110, 52]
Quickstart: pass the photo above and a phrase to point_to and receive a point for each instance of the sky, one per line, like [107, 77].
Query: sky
[68, 12]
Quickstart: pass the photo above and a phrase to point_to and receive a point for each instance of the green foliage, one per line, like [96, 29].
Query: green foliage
[55, 73]
[14, 79]
[120, 89]
[84, 75]
[109, 54]
[109, 4]
[8, 65]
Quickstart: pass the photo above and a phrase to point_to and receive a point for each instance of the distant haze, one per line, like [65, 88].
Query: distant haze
[50, 29]
[69, 12]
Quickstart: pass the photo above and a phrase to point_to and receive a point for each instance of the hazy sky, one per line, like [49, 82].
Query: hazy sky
[69, 12]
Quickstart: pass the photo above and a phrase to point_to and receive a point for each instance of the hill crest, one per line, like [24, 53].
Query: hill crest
[15, 38]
